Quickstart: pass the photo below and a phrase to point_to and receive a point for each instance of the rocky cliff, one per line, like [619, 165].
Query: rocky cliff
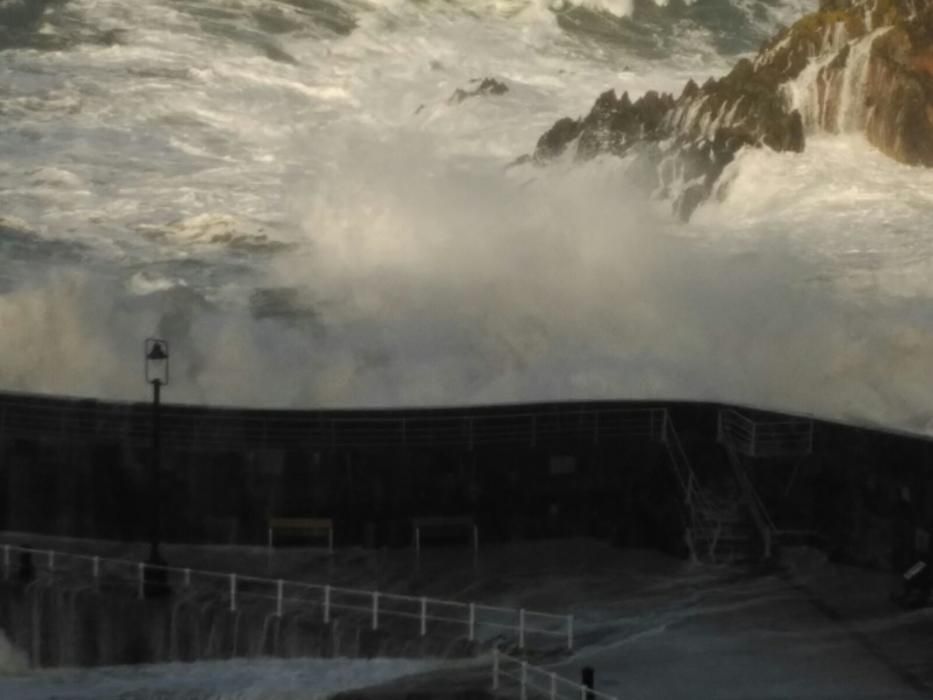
[862, 65]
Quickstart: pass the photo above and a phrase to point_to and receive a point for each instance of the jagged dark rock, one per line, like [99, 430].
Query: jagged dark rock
[488, 86]
[691, 138]
[884, 47]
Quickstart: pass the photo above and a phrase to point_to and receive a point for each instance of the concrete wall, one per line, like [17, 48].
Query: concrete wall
[95, 484]
[81, 469]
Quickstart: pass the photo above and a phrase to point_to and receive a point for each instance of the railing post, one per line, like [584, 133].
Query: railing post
[424, 616]
[588, 678]
[553, 686]
[521, 628]
[141, 573]
[95, 568]
[570, 632]
[51, 561]
[495, 669]
[524, 680]
[279, 589]
[472, 621]
[6, 561]
[326, 605]
[232, 592]
[375, 610]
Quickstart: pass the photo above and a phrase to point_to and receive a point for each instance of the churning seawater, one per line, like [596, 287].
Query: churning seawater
[239, 679]
[281, 188]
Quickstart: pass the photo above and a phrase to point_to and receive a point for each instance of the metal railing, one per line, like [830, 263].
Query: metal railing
[763, 522]
[477, 621]
[681, 463]
[770, 532]
[765, 438]
[193, 426]
[686, 476]
[511, 674]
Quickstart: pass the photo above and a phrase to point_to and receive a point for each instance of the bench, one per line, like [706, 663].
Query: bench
[445, 526]
[311, 527]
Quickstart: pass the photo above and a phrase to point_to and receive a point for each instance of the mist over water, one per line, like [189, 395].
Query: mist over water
[283, 190]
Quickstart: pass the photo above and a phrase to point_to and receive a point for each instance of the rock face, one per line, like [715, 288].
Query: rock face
[851, 66]
[873, 73]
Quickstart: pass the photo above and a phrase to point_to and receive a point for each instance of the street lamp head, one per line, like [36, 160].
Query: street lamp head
[156, 352]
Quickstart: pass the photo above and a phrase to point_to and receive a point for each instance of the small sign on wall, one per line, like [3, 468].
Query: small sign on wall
[561, 465]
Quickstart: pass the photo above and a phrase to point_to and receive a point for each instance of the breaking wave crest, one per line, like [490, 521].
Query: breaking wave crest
[286, 191]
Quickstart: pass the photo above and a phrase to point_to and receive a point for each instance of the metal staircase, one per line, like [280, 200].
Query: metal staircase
[757, 436]
[723, 533]
[720, 528]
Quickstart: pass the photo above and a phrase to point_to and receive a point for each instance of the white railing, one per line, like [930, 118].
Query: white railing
[770, 532]
[520, 677]
[682, 467]
[475, 621]
[765, 438]
[228, 427]
[756, 506]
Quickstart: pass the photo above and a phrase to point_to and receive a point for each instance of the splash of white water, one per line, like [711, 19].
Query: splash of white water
[12, 660]
[241, 679]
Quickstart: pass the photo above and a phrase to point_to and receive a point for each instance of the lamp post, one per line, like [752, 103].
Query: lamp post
[157, 374]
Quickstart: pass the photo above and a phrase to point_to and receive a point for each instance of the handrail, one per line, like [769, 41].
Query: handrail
[186, 424]
[760, 515]
[765, 438]
[519, 622]
[678, 455]
[689, 483]
[539, 681]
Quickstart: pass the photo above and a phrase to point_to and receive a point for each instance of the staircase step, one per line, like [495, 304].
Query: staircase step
[724, 536]
[721, 516]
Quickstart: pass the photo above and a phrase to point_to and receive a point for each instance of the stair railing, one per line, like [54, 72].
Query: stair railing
[693, 497]
[763, 522]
